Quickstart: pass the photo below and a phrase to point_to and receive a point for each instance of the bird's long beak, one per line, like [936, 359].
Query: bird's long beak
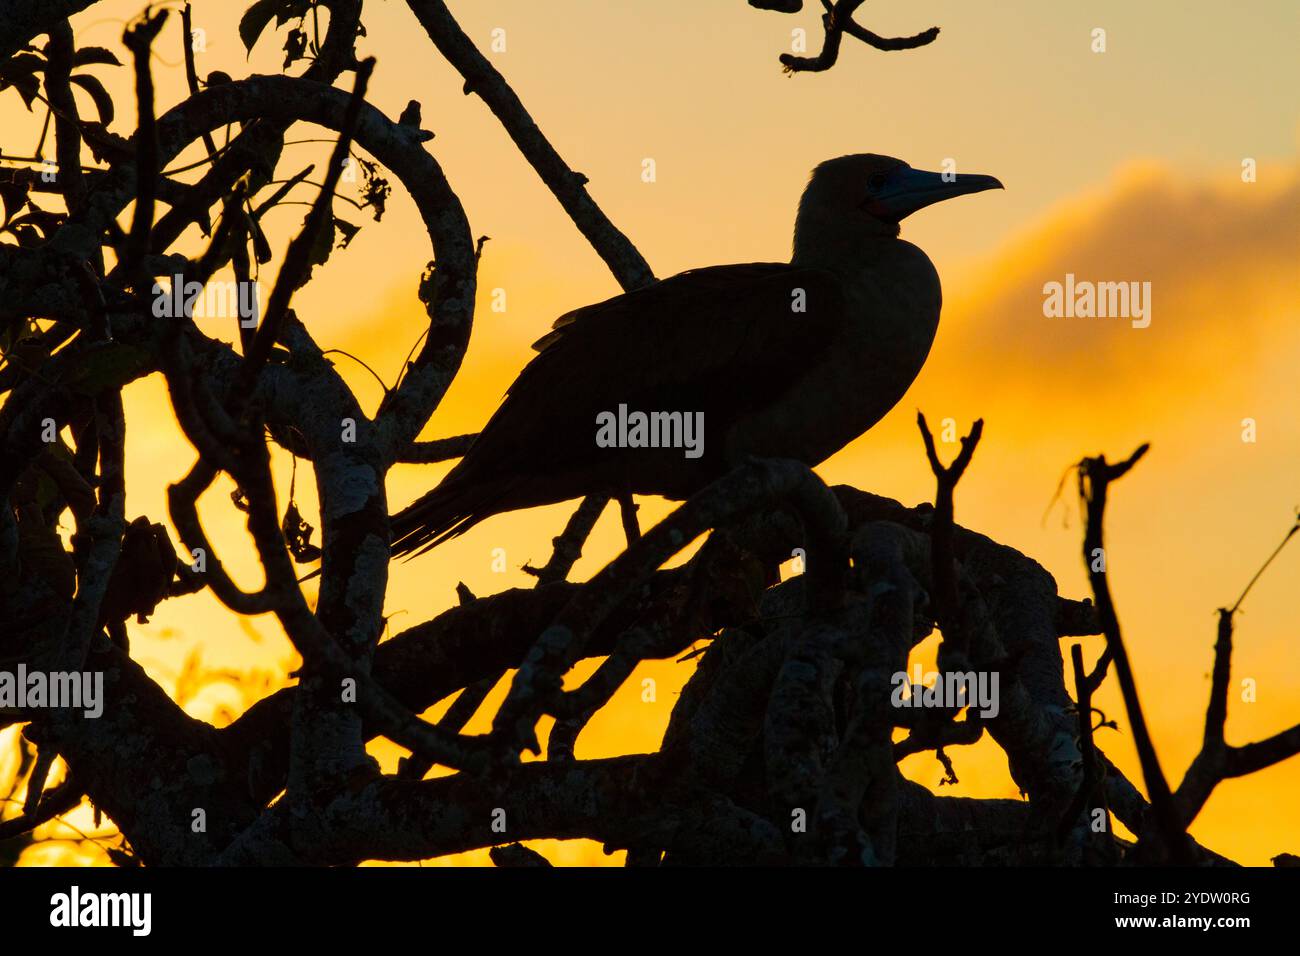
[913, 189]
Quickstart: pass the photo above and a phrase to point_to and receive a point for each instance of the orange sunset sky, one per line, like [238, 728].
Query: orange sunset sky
[1123, 166]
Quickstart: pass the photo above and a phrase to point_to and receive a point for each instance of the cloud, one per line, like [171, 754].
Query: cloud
[1221, 257]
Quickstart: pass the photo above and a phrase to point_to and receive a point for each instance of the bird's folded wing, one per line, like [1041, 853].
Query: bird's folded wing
[722, 340]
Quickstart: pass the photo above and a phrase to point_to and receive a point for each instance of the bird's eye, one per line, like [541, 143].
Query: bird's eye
[876, 182]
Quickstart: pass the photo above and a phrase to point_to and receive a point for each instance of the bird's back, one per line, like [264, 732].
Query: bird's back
[720, 342]
[890, 314]
[774, 359]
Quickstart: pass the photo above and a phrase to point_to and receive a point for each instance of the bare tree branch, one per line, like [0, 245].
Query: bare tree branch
[629, 268]
[838, 20]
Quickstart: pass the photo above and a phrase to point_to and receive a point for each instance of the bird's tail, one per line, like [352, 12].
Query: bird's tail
[448, 510]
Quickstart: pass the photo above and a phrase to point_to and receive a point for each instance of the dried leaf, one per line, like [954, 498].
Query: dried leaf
[297, 535]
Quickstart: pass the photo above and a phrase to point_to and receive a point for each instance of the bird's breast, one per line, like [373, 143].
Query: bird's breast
[891, 315]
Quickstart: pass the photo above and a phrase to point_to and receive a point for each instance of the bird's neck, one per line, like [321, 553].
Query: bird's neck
[840, 243]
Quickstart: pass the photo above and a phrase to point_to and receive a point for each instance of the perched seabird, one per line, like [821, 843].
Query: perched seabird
[661, 390]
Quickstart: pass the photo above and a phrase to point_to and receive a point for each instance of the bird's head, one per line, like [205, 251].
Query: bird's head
[867, 195]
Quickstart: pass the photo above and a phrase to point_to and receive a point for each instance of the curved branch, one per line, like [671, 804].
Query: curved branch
[838, 20]
[297, 260]
[259, 143]
[398, 147]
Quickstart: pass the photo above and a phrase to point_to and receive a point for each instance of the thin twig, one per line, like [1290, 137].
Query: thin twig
[1264, 567]
[838, 20]
[191, 74]
[1095, 477]
[138, 40]
[298, 259]
[567, 547]
[943, 557]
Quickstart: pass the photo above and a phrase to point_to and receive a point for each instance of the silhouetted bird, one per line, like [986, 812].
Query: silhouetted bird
[782, 360]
